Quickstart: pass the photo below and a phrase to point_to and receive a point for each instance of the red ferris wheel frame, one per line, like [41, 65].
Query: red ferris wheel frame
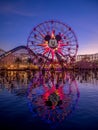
[54, 40]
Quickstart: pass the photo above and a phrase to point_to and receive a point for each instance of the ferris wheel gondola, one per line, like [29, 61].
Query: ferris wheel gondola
[53, 40]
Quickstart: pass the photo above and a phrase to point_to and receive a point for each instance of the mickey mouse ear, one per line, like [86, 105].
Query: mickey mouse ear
[47, 37]
[58, 37]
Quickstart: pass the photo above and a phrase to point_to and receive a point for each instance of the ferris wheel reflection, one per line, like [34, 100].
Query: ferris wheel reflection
[53, 96]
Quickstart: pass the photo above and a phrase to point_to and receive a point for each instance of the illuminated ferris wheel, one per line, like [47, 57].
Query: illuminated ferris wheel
[53, 40]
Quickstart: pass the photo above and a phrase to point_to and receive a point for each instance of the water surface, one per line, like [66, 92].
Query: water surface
[72, 101]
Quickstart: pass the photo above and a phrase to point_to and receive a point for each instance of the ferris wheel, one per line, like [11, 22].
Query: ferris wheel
[54, 40]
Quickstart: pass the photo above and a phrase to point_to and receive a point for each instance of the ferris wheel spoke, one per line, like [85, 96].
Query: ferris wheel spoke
[45, 28]
[52, 54]
[64, 44]
[69, 38]
[41, 33]
[34, 42]
[68, 33]
[46, 59]
[64, 33]
[73, 40]
[37, 38]
[53, 34]
[60, 52]
[38, 49]
[72, 45]
[48, 26]
[41, 30]
[64, 50]
[46, 51]
[54, 25]
[42, 45]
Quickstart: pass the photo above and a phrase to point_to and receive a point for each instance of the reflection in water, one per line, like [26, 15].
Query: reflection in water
[88, 77]
[20, 79]
[15, 81]
[53, 96]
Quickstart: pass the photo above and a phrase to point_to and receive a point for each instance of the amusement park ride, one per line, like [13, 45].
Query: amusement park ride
[51, 44]
[55, 41]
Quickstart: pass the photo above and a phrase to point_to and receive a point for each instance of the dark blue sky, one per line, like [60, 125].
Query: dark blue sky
[18, 17]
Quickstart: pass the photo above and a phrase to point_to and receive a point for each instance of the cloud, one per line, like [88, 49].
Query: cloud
[15, 9]
[23, 13]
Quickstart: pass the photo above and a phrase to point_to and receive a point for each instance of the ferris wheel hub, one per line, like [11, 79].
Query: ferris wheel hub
[53, 43]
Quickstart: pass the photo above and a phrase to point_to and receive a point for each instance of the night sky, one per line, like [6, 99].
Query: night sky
[18, 17]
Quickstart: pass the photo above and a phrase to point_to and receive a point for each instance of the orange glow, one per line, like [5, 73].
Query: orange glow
[52, 35]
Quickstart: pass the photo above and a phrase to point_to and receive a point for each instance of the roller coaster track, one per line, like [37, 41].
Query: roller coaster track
[16, 49]
[11, 51]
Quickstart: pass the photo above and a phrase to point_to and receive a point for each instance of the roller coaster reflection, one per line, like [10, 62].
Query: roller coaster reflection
[53, 96]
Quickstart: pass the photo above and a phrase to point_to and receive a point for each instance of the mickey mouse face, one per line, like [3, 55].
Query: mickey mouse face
[52, 42]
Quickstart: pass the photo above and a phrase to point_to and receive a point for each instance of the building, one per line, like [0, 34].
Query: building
[87, 57]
